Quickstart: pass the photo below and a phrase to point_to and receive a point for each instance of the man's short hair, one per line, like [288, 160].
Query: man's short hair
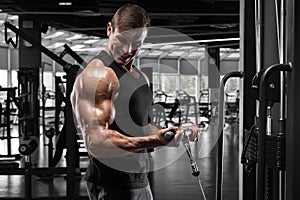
[130, 16]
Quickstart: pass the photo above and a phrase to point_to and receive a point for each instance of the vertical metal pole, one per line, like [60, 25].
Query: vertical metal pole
[159, 75]
[7, 118]
[262, 126]
[70, 141]
[247, 63]
[293, 106]
[28, 184]
[9, 82]
[282, 112]
[258, 33]
[30, 62]
[219, 160]
[72, 155]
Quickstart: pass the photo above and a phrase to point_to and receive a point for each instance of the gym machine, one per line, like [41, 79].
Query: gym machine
[170, 110]
[264, 152]
[5, 119]
[160, 96]
[183, 101]
[27, 149]
[220, 143]
[219, 157]
[74, 55]
[28, 95]
[265, 148]
[204, 107]
[186, 102]
[231, 108]
[71, 73]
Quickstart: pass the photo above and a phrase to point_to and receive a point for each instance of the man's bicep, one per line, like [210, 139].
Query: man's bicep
[84, 112]
[105, 112]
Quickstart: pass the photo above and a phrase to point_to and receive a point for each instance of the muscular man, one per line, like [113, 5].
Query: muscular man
[111, 100]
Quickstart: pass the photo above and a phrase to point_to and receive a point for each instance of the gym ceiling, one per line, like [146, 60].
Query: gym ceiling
[202, 20]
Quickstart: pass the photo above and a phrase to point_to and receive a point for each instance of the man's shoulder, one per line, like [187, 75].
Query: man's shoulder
[98, 68]
[96, 73]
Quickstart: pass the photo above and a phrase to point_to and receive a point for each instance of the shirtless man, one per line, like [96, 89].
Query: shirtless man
[111, 100]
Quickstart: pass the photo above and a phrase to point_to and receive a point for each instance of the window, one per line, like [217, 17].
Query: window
[188, 84]
[3, 78]
[169, 84]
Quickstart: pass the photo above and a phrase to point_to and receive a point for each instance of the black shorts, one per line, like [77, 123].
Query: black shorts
[97, 192]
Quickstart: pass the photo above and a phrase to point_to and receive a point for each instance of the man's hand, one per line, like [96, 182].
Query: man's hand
[192, 131]
[174, 141]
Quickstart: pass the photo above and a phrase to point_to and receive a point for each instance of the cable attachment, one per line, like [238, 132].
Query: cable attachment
[249, 153]
[186, 144]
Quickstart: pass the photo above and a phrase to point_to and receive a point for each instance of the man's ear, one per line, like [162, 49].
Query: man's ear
[109, 29]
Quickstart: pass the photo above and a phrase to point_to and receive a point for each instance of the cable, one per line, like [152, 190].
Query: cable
[186, 143]
[277, 27]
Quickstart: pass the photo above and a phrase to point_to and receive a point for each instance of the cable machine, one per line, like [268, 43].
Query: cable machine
[264, 152]
[71, 73]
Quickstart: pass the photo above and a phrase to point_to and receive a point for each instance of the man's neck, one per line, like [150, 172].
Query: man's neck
[129, 66]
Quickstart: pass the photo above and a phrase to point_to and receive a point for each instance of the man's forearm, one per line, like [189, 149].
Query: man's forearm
[151, 129]
[110, 143]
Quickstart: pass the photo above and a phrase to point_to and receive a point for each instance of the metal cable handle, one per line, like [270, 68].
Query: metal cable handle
[169, 136]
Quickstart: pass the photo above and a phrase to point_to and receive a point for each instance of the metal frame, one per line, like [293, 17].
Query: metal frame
[263, 87]
[219, 160]
[71, 73]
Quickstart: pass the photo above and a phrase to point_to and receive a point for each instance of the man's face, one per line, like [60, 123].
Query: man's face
[125, 45]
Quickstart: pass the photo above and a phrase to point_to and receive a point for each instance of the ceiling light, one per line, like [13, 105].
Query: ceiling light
[65, 3]
[155, 53]
[12, 17]
[74, 37]
[196, 54]
[168, 46]
[233, 55]
[186, 47]
[54, 35]
[190, 42]
[55, 45]
[78, 46]
[95, 49]
[176, 53]
[141, 52]
[91, 41]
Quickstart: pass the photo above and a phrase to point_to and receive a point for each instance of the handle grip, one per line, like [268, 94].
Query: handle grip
[169, 136]
[28, 148]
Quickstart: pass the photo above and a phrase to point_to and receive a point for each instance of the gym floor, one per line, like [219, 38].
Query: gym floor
[172, 182]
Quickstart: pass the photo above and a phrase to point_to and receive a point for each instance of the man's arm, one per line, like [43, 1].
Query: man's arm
[92, 101]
